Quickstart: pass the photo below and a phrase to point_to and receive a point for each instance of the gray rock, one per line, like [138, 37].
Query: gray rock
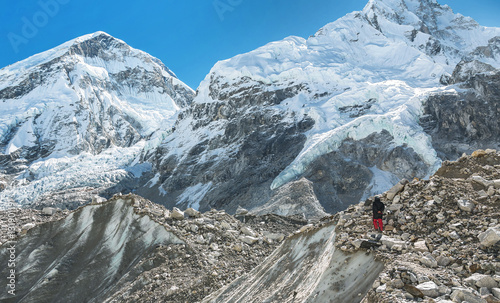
[490, 298]
[480, 180]
[240, 211]
[397, 283]
[396, 189]
[177, 214]
[391, 242]
[443, 261]
[480, 280]
[463, 294]
[248, 239]
[49, 211]
[420, 246]
[193, 213]
[28, 226]
[490, 237]
[248, 231]
[496, 183]
[496, 292]
[429, 289]
[156, 212]
[274, 236]
[429, 261]
[465, 205]
[484, 291]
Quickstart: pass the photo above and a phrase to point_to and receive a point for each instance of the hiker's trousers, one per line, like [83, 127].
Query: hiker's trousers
[377, 223]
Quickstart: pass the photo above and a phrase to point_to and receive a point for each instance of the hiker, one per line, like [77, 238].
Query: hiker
[378, 209]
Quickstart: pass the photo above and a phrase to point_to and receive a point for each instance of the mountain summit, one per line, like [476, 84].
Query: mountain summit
[337, 115]
[93, 101]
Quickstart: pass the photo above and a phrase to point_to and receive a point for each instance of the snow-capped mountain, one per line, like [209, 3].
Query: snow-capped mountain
[74, 118]
[345, 109]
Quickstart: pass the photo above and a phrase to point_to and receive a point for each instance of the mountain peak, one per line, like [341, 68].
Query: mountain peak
[426, 15]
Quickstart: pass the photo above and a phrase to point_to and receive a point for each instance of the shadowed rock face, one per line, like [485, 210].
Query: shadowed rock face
[466, 121]
[344, 177]
[79, 258]
[243, 143]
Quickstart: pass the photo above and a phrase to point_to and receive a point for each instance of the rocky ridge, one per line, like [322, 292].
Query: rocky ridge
[441, 237]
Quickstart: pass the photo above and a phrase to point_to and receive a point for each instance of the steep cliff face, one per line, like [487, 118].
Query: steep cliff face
[340, 109]
[226, 153]
[467, 119]
[74, 116]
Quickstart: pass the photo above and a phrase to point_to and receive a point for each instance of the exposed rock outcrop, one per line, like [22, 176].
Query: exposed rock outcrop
[464, 121]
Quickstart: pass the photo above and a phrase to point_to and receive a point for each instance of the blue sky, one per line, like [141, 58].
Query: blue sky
[189, 36]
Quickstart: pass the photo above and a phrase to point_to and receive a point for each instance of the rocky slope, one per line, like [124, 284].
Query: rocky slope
[73, 119]
[442, 235]
[312, 110]
[440, 244]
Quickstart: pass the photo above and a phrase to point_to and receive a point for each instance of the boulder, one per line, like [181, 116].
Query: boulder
[49, 211]
[248, 231]
[490, 237]
[396, 189]
[193, 213]
[177, 214]
[482, 181]
[390, 242]
[428, 260]
[443, 261]
[240, 211]
[496, 183]
[28, 226]
[420, 246]
[460, 294]
[397, 283]
[429, 289]
[490, 298]
[412, 290]
[481, 280]
[248, 239]
[465, 205]
[496, 292]
[274, 236]
[156, 212]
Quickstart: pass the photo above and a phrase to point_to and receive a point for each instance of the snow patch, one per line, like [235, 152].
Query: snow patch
[193, 195]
